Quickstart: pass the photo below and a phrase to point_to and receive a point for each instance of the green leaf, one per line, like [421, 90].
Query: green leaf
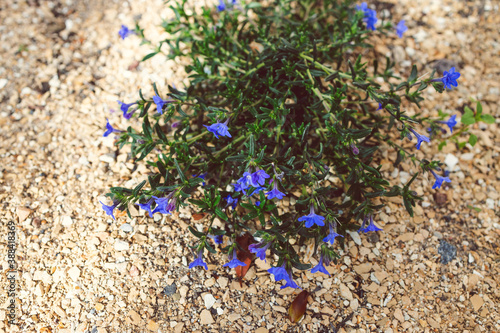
[479, 108]
[475, 208]
[179, 170]
[149, 56]
[251, 148]
[408, 206]
[221, 214]
[468, 117]
[488, 118]
[196, 233]
[413, 74]
[139, 187]
[472, 140]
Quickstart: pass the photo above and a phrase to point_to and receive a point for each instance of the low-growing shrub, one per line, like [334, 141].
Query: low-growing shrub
[280, 130]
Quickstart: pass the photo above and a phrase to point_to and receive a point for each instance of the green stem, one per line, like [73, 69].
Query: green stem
[195, 138]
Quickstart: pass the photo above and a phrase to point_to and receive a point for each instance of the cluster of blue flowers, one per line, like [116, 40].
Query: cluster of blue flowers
[128, 113]
[257, 181]
[370, 18]
[370, 15]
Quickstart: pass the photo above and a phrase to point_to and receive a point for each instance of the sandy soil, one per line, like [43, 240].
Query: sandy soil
[62, 68]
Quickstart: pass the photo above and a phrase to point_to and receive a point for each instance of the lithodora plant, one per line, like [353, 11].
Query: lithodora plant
[280, 106]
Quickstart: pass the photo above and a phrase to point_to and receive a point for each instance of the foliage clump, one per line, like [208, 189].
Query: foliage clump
[281, 107]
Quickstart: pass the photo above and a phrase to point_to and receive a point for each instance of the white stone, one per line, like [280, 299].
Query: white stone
[3, 83]
[126, 227]
[355, 237]
[450, 161]
[471, 258]
[490, 203]
[121, 245]
[404, 177]
[83, 160]
[107, 158]
[74, 273]
[26, 91]
[67, 221]
[209, 300]
[467, 156]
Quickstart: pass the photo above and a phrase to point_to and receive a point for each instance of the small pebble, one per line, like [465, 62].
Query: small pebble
[447, 251]
[209, 300]
[169, 290]
[126, 227]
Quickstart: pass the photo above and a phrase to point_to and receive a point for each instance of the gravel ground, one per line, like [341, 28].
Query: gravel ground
[62, 68]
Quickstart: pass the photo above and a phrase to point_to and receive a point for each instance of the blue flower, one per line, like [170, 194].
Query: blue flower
[147, 206]
[160, 103]
[221, 6]
[401, 28]
[219, 129]
[164, 205]
[331, 236]
[217, 239]
[370, 227]
[257, 190]
[259, 178]
[244, 183]
[124, 32]
[439, 180]
[420, 138]
[239, 187]
[379, 106]
[110, 129]
[354, 149]
[109, 209]
[275, 193]
[450, 122]
[202, 176]
[199, 261]
[281, 273]
[319, 267]
[231, 201]
[124, 107]
[234, 262]
[370, 15]
[449, 79]
[257, 203]
[312, 219]
[260, 249]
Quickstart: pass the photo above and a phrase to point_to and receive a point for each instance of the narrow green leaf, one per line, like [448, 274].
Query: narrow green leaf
[139, 187]
[149, 56]
[251, 145]
[413, 74]
[479, 108]
[179, 170]
[220, 214]
[195, 232]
